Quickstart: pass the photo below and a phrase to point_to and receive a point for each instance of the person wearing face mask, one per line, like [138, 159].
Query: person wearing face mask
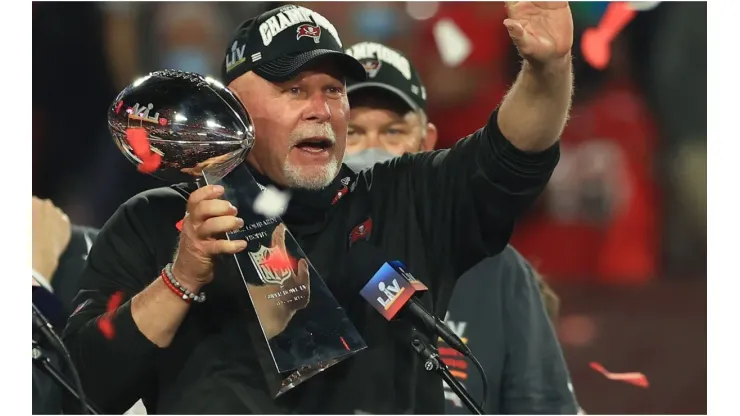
[388, 111]
[190, 35]
[500, 307]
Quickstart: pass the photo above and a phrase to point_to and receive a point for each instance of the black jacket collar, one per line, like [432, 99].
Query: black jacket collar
[311, 208]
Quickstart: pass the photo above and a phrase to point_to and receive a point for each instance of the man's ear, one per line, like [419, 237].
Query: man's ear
[430, 140]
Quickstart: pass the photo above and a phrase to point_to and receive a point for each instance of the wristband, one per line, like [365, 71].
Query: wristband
[169, 279]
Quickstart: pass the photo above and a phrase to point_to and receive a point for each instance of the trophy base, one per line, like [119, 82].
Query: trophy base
[303, 374]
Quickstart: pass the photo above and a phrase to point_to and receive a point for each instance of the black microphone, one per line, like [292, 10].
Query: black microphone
[391, 292]
[42, 324]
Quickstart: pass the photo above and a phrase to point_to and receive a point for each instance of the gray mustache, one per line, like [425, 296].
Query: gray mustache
[313, 130]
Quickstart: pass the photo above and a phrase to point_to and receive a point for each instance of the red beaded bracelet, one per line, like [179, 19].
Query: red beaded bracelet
[172, 287]
[178, 288]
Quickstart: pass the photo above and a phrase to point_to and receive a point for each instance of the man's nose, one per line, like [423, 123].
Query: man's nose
[318, 109]
[372, 140]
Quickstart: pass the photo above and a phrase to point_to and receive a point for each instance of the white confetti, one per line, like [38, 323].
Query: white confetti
[271, 202]
[453, 44]
[643, 6]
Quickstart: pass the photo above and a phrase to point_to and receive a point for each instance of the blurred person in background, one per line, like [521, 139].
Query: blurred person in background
[178, 366]
[64, 146]
[466, 61]
[59, 251]
[145, 37]
[189, 36]
[604, 194]
[676, 87]
[510, 332]
[386, 22]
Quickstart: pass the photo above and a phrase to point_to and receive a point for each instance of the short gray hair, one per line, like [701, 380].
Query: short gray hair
[423, 120]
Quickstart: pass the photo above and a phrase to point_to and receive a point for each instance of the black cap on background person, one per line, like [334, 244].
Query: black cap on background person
[390, 70]
[278, 44]
[396, 94]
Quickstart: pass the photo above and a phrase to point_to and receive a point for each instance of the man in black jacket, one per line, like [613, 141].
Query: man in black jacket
[496, 307]
[438, 212]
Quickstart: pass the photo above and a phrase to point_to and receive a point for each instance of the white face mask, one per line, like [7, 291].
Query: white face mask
[367, 158]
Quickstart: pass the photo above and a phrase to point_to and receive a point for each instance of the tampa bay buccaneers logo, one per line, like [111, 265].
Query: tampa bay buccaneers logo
[371, 67]
[308, 31]
[361, 232]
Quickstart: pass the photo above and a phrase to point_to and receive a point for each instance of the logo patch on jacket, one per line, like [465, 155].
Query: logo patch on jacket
[361, 231]
[342, 192]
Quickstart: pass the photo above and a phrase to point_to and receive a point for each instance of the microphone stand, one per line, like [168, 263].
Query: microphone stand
[433, 362]
[43, 363]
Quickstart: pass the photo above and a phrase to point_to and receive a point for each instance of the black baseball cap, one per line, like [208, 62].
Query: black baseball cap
[279, 43]
[388, 69]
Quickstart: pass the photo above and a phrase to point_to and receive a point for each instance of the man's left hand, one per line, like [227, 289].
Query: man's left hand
[541, 30]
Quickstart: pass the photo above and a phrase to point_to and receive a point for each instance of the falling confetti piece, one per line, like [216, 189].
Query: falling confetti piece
[643, 6]
[596, 42]
[114, 302]
[149, 165]
[637, 379]
[137, 139]
[271, 202]
[106, 328]
[105, 325]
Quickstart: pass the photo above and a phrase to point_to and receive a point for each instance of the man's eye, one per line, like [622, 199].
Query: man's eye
[335, 90]
[295, 90]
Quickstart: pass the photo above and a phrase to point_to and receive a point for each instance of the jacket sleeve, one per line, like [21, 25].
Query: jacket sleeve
[66, 279]
[115, 372]
[535, 377]
[468, 197]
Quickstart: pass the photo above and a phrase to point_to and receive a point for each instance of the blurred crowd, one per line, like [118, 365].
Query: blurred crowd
[627, 203]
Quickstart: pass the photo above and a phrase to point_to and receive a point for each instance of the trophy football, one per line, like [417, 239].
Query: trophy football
[183, 127]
